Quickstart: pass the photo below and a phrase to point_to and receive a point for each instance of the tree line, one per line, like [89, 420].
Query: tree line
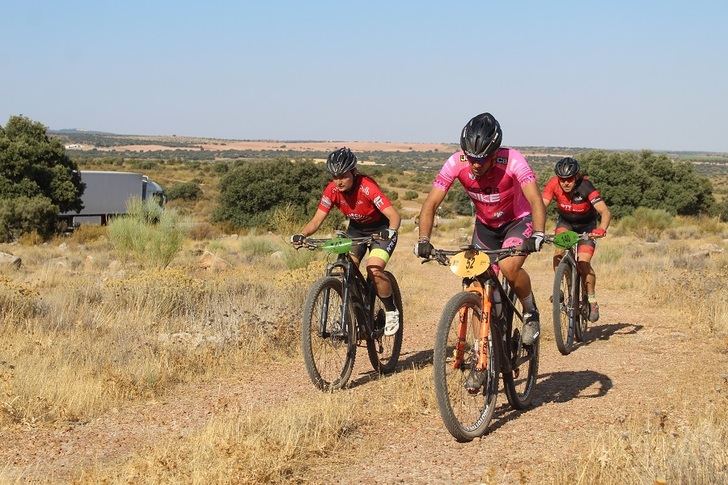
[38, 180]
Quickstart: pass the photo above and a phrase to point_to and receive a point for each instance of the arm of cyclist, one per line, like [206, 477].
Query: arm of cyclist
[394, 221]
[310, 228]
[423, 248]
[605, 216]
[538, 214]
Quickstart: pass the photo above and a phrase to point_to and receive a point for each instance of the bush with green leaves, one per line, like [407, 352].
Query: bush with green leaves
[630, 180]
[36, 178]
[184, 191]
[458, 201]
[22, 215]
[147, 233]
[646, 223]
[410, 195]
[723, 210]
[251, 192]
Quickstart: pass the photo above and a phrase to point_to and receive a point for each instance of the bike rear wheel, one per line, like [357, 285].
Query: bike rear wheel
[563, 307]
[328, 349]
[520, 381]
[383, 349]
[466, 415]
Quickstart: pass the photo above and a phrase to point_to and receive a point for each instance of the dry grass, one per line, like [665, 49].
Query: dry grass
[79, 337]
[279, 444]
[75, 343]
[655, 449]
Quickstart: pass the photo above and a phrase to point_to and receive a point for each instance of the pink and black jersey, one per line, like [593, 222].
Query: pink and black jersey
[362, 204]
[496, 194]
[578, 205]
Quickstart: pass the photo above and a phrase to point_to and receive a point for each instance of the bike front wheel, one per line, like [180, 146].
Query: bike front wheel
[465, 412]
[520, 381]
[563, 307]
[327, 344]
[383, 349]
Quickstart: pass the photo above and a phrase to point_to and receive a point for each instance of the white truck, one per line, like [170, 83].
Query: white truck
[107, 194]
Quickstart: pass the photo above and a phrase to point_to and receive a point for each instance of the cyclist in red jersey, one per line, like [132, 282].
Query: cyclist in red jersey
[508, 206]
[369, 212]
[580, 206]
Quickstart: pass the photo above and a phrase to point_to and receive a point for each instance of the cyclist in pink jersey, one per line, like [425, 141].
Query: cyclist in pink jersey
[369, 212]
[509, 210]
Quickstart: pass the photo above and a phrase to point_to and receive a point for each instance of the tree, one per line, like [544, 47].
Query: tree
[250, 193]
[630, 180]
[34, 170]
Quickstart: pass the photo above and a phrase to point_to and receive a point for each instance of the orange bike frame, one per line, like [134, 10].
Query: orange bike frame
[484, 328]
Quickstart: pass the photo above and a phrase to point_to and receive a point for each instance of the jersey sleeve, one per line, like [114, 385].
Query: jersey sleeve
[327, 199]
[448, 173]
[520, 169]
[549, 189]
[591, 192]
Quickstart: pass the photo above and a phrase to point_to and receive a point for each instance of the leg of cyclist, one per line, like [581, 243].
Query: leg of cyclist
[585, 253]
[513, 234]
[590, 278]
[378, 258]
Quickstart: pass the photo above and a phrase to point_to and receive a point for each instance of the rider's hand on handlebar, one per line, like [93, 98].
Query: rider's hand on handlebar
[298, 240]
[387, 234]
[423, 249]
[533, 244]
[598, 232]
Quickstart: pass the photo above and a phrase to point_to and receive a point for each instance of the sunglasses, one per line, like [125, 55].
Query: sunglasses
[567, 180]
[478, 160]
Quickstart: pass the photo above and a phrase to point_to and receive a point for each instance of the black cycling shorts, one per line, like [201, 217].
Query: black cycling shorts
[381, 249]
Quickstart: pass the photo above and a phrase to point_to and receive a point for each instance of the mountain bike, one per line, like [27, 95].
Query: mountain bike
[478, 338]
[342, 311]
[569, 299]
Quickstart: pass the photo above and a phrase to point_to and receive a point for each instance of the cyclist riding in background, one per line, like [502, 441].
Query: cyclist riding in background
[508, 207]
[369, 212]
[578, 204]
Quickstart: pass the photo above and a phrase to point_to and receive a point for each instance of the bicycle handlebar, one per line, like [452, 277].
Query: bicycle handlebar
[441, 255]
[311, 243]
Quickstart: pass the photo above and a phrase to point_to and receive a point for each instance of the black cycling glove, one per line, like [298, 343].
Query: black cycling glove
[423, 249]
[533, 244]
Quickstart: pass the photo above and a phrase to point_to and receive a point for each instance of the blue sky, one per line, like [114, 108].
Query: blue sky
[619, 74]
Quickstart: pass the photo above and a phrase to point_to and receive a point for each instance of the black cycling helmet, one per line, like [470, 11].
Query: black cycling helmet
[567, 167]
[481, 137]
[340, 161]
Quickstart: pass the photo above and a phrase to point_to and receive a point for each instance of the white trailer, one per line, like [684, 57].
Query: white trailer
[107, 194]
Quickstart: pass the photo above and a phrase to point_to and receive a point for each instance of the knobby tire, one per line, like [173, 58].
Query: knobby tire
[466, 416]
[386, 362]
[329, 360]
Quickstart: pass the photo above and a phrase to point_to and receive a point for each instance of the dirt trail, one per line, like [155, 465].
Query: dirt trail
[637, 359]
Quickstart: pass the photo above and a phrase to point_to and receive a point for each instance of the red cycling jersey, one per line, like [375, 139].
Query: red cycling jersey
[362, 204]
[576, 206]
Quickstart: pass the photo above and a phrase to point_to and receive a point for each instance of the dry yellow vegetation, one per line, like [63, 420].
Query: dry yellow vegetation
[192, 375]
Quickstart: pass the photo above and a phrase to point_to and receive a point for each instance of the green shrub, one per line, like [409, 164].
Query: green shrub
[37, 179]
[410, 195]
[148, 233]
[221, 168]
[630, 180]
[251, 192]
[22, 215]
[646, 223]
[184, 191]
